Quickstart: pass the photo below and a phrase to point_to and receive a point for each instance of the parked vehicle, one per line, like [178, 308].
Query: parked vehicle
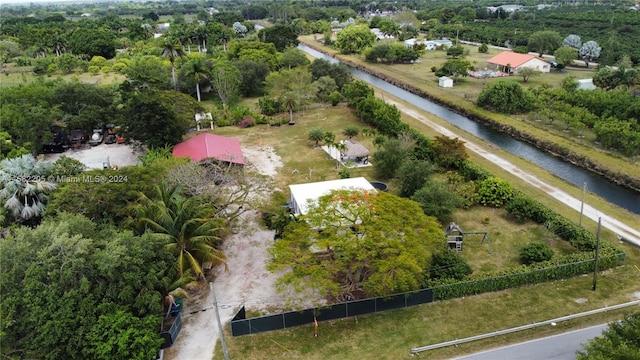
[97, 137]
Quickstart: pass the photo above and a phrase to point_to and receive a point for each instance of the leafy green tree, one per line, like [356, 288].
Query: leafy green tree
[535, 251]
[449, 265]
[354, 39]
[620, 341]
[89, 42]
[371, 244]
[527, 73]
[412, 175]
[455, 51]
[25, 184]
[122, 335]
[58, 279]
[8, 149]
[544, 41]
[157, 118]
[589, 51]
[338, 72]
[325, 85]
[483, 49]
[186, 224]
[67, 62]
[565, 55]
[448, 152]
[455, 67]
[8, 50]
[356, 92]
[252, 76]
[282, 36]
[148, 71]
[388, 159]
[437, 200]
[507, 97]
[467, 13]
[225, 79]
[66, 166]
[293, 57]
[494, 192]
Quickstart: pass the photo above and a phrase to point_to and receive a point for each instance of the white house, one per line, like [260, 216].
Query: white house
[445, 82]
[305, 195]
[380, 35]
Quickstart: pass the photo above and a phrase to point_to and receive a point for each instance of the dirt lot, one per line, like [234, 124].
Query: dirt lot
[96, 156]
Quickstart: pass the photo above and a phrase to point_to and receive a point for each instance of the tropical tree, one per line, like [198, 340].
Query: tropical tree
[573, 41]
[527, 72]
[316, 135]
[25, 186]
[199, 71]
[589, 52]
[507, 97]
[172, 50]
[225, 79]
[351, 131]
[564, 56]
[186, 224]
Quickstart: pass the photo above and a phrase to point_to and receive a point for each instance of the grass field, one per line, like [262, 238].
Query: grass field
[25, 75]
[390, 335]
[463, 96]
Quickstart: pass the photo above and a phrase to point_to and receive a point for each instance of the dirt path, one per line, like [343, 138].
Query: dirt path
[247, 282]
[630, 234]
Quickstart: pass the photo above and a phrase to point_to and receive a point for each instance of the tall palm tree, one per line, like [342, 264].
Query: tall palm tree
[24, 186]
[197, 68]
[171, 51]
[291, 102]
[187, 225]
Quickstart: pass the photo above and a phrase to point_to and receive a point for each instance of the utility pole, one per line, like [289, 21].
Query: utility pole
[595, 268]
[584, 190]
[215, 305]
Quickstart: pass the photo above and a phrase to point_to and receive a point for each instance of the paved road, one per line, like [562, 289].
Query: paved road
[630, 234]
[557, 347]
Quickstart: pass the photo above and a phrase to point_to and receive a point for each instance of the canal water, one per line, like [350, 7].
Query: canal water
[596, 184]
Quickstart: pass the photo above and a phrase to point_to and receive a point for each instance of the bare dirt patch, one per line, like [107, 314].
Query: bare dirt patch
[247, 281]
[96, 157]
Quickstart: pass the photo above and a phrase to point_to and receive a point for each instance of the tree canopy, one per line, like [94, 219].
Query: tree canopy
[620, 341]
[354, 244]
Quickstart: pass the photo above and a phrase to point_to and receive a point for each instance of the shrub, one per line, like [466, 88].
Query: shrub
[344, 174]
[246, 122]
[335, 98]
[449, 265]
[535, 252]
[434, 69]
[23, 62]
[94, 69]
[483, 49]
[494, 192]
[105, 69]
[52, 68]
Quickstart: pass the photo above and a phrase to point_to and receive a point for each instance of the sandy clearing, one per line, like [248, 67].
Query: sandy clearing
[247, 282]
[625, 231]
[95, 156]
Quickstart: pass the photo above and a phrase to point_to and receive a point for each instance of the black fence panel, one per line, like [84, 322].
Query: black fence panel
[336, 311]
[267, 323]
[240, 327]
[240, 315]
[395, 302]
[420, 297]
[297, 318]
[361, 307]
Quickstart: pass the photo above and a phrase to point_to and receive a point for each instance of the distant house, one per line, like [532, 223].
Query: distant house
[506, 8]
[510, 62]
[210, 146]
[305, 195]
[428, 44]
[380, 35]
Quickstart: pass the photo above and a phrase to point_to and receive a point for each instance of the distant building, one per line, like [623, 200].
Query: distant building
[510, 62]
[507, 8]
[380, 35]
[428, 44]
[585, 84]
[305, 195]
[445, 82]
[208, 146]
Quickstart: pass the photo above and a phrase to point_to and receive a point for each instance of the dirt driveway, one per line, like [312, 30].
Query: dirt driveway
[95, 157]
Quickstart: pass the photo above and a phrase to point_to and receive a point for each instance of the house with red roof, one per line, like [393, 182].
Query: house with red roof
[210, 146]
[509, 62]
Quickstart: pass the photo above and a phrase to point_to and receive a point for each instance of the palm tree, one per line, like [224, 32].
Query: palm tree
[58, 44]
[291, 102]
[198, 69]
[316, 134]
[186, 224]
[24, 187]
[171, 51]
[351, 131]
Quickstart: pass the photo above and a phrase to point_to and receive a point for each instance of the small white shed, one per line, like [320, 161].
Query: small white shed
[586, 84]
[445, 82]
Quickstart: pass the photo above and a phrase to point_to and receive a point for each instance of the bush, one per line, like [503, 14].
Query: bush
[344, 174]
[23, 62]
[449, 265]
[94, 69]
[494, 192]
[483, 49]
[335, 98]
[246, 122]
[535, 252]
[105, 69]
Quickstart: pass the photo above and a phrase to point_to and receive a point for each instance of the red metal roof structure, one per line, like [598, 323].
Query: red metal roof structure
[210, 146]
[510, 58]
